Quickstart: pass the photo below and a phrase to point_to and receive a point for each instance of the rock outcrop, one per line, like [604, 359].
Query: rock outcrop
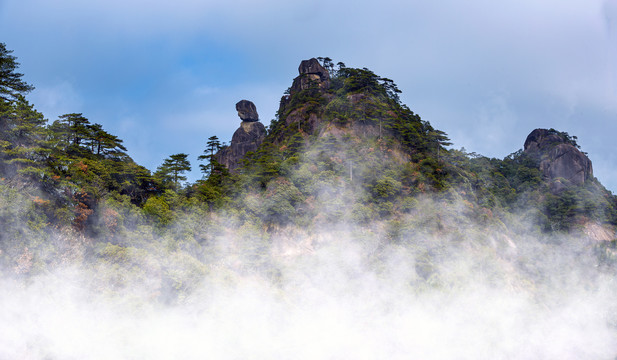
[559, 159]
[311, 74]
[247, 111]
[248, 137]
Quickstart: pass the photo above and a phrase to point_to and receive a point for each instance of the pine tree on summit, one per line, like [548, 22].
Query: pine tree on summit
[69, 130]
[104, 143]
[172, 169]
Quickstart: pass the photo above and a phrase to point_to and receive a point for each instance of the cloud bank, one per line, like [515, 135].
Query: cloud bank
[440, 287]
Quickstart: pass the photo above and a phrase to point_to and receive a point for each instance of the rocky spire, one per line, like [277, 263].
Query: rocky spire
[248, 137]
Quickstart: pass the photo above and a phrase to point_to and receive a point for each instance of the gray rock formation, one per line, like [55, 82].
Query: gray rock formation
[248, 137]
[247, 111]
[559, 160]
[311, 74]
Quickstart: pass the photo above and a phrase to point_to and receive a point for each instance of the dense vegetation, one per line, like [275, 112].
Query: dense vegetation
[351, 153]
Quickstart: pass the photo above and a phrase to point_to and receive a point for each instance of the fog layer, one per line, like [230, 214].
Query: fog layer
[453, 291]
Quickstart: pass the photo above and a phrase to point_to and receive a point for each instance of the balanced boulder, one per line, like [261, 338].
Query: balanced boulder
[247, 111]
[248, 137]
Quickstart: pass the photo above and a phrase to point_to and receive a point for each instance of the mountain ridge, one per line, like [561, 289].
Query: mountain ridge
[342, 149]
[356, 104]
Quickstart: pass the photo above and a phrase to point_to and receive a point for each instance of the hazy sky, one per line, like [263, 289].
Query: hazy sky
[164, 76]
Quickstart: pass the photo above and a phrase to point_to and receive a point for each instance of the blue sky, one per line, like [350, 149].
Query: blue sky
[165, 76]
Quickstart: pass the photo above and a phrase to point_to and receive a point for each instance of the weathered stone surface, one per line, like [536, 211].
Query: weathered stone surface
[560, 162]
[311, 74]
[248, 137]
[247, 110]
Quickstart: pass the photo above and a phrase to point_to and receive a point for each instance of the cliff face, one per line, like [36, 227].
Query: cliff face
[248, 137]
[559, 160]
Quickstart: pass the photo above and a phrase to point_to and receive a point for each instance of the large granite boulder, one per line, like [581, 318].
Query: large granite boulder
[247, 111]
[559, 159]
[312, 66]
[248, 137]
[312, 74]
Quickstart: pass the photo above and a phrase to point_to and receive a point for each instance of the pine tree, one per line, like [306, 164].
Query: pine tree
[69, 131]
[23, 140]
[11, 84]
[213, 146]
[77, 127]
[172, 169]
[104, 143]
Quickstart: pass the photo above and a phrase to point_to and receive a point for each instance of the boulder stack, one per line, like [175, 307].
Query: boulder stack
[247, 137]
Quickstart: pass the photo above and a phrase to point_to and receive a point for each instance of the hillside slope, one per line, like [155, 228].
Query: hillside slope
[344, 131]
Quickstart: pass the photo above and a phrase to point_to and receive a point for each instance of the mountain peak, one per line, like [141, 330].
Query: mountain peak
[312, 73]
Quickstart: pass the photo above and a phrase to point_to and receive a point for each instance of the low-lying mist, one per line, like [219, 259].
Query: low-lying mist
[433, 288]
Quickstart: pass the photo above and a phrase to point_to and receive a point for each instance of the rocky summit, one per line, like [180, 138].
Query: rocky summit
[248, 137]
[560, 161]
[311, 73]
